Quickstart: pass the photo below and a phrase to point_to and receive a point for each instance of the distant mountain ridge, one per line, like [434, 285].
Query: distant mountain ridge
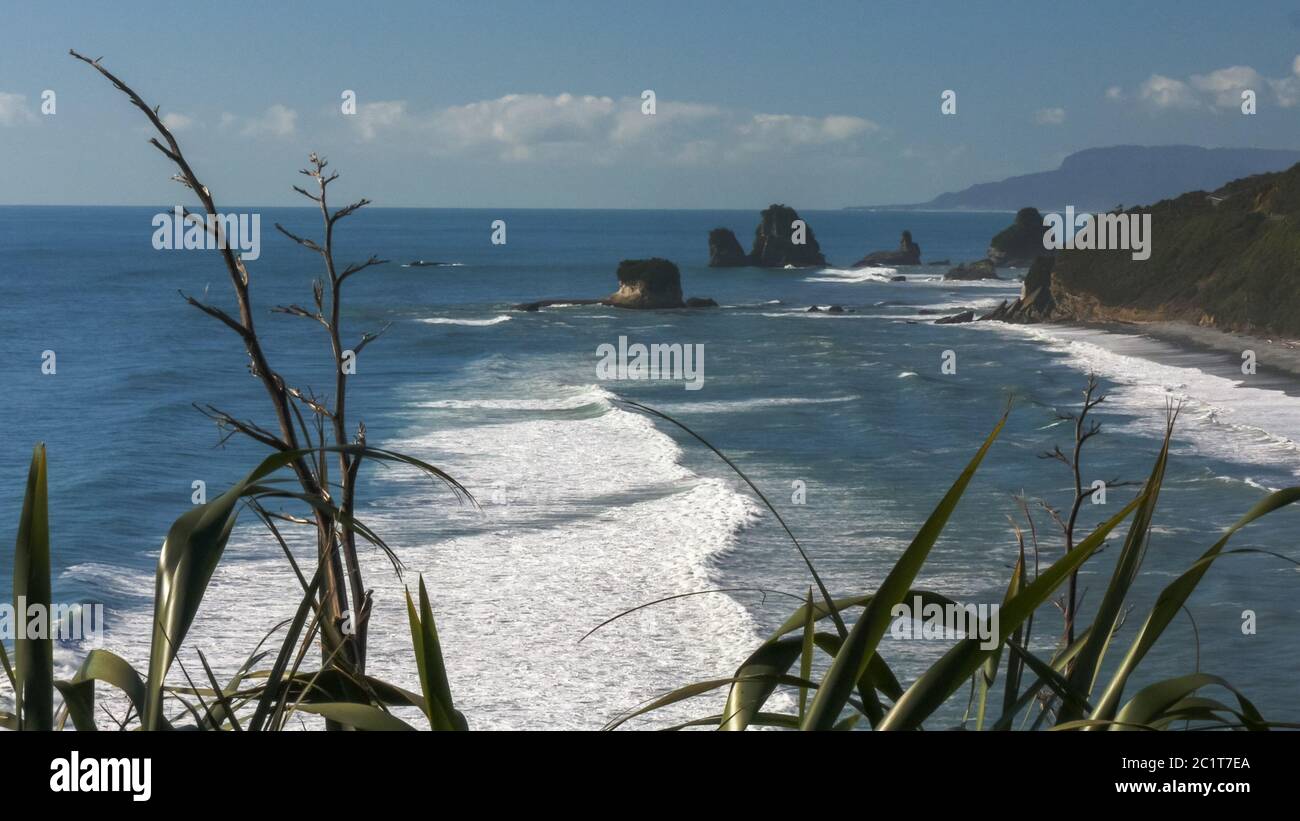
[1098, 179]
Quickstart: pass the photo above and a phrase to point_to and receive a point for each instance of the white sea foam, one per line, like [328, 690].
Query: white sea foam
[443, 320]
[107, 580]
[852, 275]
[822, 314]
[1222, 417]
[734, 405]
[590, 396]
[598, 516]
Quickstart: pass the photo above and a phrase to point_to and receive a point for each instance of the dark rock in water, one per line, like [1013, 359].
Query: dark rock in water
[774, 245]
[813, 309]
[956, 319]
[835, 309]
[1020, 243]
[899, 278]
[642, 283]
[983, 269]
[939, 262]
[647, 284]
[1036, 303]
[908, 253]
[546, 303]
[725, 250]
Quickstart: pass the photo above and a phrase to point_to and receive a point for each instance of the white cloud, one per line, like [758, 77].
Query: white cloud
[175, 121]
[788, 129]
[600, 130]
[276, 121]
[1166, 92]
[1218, 89]
[1049, 116]
[522, 126]
[1224, 86]
[371, 118]
[1287, 89]
[13, 109]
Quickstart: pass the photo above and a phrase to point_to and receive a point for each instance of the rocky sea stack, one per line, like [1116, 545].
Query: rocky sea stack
[908, 253]
[725, 250]
[648, 283]
[1019, 244]
[774, 245]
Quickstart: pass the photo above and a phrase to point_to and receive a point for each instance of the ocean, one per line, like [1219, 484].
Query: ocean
[847, 422]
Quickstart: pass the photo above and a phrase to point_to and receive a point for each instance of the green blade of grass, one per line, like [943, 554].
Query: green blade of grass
[429, 663]
[806, 656]
[357, 716]
[194, 546]
[1150, 703]
[989, 674]
[692, 691]
[110, 668]
[851, 662]
[1058, 664]
[757, 679]
[1173, 597]
[759, 720]
[34, 657]
[1083, 674]
[947, 674]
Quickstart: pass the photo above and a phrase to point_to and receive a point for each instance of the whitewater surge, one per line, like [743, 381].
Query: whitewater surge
[852, 275]
[1224, 418]
[442, 320]
[584, 514]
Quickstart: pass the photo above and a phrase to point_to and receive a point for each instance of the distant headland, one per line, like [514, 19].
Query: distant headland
[1099, 179]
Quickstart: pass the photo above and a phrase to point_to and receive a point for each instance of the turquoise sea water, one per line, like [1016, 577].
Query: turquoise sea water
[589, 508]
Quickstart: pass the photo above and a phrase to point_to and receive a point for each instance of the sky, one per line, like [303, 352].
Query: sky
[540, 104]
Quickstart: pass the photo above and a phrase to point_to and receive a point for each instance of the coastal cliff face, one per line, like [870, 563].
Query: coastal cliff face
[1228, 260]
[648, 284]
[774, 245]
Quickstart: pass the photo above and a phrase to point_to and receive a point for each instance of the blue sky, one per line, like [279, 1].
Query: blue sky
[526, 104]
